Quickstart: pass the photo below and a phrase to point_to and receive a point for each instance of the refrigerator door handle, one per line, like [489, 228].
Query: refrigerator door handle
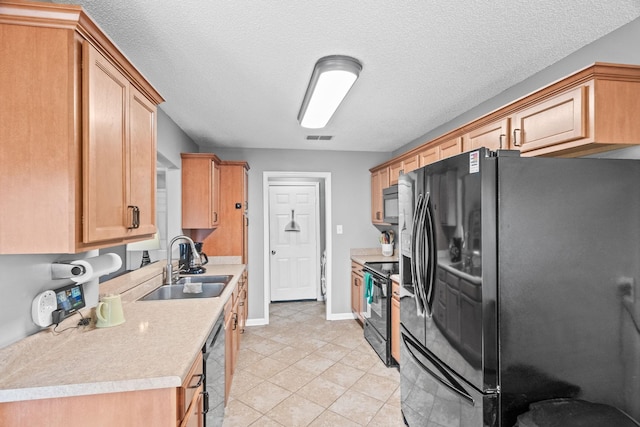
[444, 377]
[431, 256]
[415, 255]
[422, 260]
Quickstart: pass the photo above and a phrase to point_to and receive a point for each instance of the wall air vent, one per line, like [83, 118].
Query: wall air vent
[319, 137]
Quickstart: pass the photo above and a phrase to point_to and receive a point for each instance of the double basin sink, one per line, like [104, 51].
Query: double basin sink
[190, 287]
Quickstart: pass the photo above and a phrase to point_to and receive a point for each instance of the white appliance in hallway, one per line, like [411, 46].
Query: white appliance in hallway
[294, 241]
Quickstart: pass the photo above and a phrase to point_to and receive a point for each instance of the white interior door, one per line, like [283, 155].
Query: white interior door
[293, 254]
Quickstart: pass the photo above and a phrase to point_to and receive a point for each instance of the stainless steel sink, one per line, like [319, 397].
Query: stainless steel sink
[204, 279]
[190, 287]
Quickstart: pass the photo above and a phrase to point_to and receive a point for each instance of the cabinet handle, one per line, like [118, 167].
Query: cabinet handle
[215, 217]
[135, 217]
[199, 381]
[515, 139]
[502, 136]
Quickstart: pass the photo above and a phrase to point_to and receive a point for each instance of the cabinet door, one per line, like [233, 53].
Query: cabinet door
[395, 328]
[450, 148]
[411, 163]
[493, 136]
[142, 161]
[557, 120]
[394, 172]
[355, 291]
[105, 106]
[229, 352]
[215, 194]
[428, 155]
[200, 176]
[376, 198]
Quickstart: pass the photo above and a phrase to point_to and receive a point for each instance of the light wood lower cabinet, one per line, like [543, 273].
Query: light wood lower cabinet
[235, 312]
[395, 321]
[190, 399]
[357, 291]
[165, 407]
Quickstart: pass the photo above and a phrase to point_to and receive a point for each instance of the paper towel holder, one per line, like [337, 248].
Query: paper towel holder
[65, 270]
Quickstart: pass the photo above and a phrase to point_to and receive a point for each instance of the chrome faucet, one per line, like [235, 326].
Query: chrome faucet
[168, 280]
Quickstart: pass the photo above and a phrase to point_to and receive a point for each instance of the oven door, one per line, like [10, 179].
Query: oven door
[378, 306]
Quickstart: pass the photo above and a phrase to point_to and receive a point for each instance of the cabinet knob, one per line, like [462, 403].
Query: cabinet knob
[273, 252]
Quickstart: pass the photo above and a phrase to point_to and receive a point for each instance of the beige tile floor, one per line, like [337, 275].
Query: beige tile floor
[302, 370]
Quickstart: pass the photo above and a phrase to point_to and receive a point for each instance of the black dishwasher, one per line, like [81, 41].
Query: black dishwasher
[214, 380]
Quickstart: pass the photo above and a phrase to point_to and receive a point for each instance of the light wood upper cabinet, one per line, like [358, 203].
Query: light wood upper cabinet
[593, 110]
[428, 155]
[83, 135]
[379, 181]
[119, 147]
[410, 163]
[231, 235]
[200, 190]
[560, 119]
[404, 165]
[450, 148]
[494, 136]
[394, 172]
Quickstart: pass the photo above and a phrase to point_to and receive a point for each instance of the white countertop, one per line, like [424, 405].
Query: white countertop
[154, 348]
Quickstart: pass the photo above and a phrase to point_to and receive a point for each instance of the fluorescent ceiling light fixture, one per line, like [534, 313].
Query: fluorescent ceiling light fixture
[331, 80]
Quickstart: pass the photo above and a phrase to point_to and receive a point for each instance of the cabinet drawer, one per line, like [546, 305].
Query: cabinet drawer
[191, 385]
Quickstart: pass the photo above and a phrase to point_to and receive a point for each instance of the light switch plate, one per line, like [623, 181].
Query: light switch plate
[338, 229]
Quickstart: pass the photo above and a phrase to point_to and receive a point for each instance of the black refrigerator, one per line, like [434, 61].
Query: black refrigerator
[519, 287]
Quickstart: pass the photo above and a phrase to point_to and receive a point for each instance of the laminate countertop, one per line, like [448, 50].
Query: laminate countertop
[361, 256]
[153, 348]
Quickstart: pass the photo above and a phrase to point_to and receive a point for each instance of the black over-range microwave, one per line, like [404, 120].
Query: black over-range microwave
[390, 204]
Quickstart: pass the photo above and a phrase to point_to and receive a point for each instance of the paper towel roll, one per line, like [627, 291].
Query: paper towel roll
[78, 271]
[84, 270]
[103, 264]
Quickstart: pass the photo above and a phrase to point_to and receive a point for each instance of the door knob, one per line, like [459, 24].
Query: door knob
[273, 252]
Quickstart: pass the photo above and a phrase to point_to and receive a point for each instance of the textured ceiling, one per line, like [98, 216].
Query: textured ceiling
[234, 72]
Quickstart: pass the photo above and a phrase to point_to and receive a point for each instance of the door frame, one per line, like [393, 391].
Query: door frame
[266, 177]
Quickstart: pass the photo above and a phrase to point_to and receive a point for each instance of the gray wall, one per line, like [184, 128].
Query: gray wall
[620, 46]
[22, 277]
[351, 206]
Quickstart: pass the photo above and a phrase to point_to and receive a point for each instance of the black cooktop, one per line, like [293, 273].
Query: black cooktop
[384, 268]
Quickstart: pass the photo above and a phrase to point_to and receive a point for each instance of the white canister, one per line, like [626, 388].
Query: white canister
[387, 249]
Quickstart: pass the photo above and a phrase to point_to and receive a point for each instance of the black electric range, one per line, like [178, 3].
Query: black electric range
[377, 314]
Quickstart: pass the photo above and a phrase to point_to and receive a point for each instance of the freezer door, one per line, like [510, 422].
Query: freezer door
[433, 395]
